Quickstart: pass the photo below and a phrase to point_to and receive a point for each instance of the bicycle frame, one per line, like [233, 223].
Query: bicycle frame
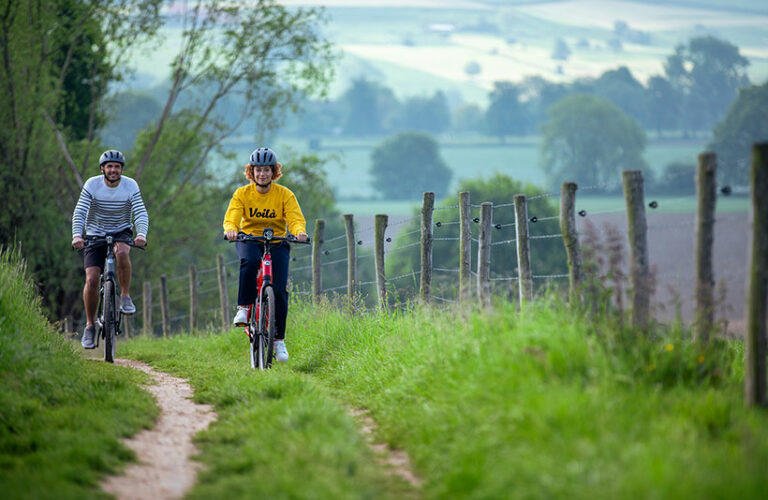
[263, 280]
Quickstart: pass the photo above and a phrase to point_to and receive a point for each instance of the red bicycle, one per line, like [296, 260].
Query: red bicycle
[261, 328]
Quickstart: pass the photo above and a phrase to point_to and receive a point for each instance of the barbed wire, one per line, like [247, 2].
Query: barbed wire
[334, 262]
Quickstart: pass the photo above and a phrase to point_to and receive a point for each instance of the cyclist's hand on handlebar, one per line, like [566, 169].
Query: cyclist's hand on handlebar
[78, 242]
[140, 241]
[231, 235]
[302, 237]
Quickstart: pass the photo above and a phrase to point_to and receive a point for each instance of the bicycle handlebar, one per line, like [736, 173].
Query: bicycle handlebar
[96, 241]
[241, 237]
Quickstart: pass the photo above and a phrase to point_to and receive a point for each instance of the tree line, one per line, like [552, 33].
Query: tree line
[62, 60]
[701, 78]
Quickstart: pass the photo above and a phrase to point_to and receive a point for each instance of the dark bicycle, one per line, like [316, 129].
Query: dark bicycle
[261, 328]
[109, 316]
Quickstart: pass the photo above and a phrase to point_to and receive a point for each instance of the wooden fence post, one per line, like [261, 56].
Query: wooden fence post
[525, 275]
[637, 229]
[571, 240]
[164, 309]
[484, 254]
[193, 301]
[317, 253]
[380, 226]
[465, 247]
[146, 300]
[349, 225]
[757, 279]
[705, 237]
[223, 298]
[427, 213]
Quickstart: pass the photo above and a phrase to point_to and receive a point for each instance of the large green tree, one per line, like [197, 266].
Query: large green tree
[57, 57]
[621, 88]
[367, 108]
[406, 165]
[238, 62]
[663, 105]
[744, 125]
[589, 140]
[506, 115]
[708, 72]
[427, 114]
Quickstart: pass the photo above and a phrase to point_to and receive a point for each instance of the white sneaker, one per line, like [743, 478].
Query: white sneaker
[281, 352]
[241, 318]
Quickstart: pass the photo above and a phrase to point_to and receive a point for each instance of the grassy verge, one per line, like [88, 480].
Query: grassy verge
[543, 405]
[61, 417]
[497, 405]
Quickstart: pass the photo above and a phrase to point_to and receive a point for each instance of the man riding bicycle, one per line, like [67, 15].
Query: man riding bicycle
[108, 203]
[254, 207]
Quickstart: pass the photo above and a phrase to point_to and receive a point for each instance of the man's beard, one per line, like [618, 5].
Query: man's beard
[110, 181]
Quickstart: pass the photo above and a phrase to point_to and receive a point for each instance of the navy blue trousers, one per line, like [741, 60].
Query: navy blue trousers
[250, 261]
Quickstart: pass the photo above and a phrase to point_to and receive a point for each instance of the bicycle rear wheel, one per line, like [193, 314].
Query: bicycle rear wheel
[110, 321]
[268, 313]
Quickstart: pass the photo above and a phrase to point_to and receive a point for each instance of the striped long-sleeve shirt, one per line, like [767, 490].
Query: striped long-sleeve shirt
[102, 209]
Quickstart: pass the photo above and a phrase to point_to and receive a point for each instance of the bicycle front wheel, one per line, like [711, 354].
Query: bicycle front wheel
[110, 321]
[254, 351]
[268, 313]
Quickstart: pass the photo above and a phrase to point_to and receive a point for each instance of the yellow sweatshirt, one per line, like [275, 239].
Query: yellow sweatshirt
[251, 212]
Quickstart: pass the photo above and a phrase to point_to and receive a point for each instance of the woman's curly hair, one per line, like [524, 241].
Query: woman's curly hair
[277, 172]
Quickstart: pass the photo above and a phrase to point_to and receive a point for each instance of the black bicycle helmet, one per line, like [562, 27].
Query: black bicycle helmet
[112, 155]
[263, 157]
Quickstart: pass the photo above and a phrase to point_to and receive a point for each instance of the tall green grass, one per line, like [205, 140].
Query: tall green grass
[545, 404]
[496, 404]
[61, 416]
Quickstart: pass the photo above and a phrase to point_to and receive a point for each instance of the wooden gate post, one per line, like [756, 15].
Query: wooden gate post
[705, 237]
[525, 275]
[427, 214]
[484, 255]
[571, 240]
[465, 247]
[223, 298]
[193, 300]
[164, 309]
[317, 253]
[146, 300]
[757, 287]
[637, 230]
[349, 225]
[380, 226]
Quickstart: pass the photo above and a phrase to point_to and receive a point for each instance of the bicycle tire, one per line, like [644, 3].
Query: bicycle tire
[253, 341]
[110, 324]
[270, 329]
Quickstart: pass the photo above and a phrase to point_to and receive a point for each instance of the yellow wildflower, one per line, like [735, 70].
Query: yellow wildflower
[701, 358]
[670, 347]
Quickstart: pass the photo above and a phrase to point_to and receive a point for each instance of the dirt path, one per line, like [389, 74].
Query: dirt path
[396, 462]
[164, 470]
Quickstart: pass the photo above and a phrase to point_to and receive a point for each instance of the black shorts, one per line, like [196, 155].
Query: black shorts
[96, 256]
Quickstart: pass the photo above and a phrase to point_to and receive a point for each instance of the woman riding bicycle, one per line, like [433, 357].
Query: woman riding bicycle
[254, 207]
